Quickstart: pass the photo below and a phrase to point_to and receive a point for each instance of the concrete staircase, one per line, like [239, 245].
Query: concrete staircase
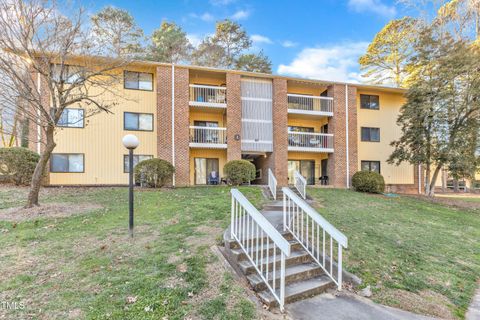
[303, 277]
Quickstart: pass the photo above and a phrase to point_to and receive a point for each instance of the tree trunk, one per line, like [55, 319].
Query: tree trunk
[40, 170]
[455, 186]
[427, 179]
[431, 192]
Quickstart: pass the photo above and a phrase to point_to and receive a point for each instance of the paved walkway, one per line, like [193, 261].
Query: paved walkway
[346, 306]
[473, 312]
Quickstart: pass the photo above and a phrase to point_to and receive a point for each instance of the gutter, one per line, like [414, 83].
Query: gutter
[173, 122]
[346, 138]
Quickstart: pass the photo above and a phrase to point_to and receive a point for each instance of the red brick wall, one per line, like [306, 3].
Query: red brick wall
[280, 134]
[337, 161]
[182, 148]
[234, 117]
[164, 120]
[164, 113]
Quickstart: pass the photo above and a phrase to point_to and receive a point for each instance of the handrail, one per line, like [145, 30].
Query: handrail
[255, 234]
[307, 96]
[312, 133]
[305, 223]
[207, 86]
[272, 183]
[208, 128]
[300, 184]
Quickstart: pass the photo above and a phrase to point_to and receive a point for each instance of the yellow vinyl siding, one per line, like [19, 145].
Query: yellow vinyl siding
[304, 122]
[385, 119]
[101, 139]
[221, 155]
[207, 116]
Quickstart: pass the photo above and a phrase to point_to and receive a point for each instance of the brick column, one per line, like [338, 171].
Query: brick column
[280, 135]
[164, 121]
[164, 113]
[337, 166]
[234, 117]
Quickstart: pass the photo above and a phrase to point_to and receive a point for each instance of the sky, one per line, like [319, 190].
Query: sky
[319, 39]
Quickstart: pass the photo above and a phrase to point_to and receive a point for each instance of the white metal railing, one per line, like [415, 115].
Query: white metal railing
[208, 95]
[310, 103]
[272, 183]
[261, 243]
[315, 234]
[300, 184]
[310, 140]
[210, 135]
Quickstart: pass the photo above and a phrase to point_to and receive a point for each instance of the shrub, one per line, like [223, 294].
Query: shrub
[17, 165]
[153, 173]
[239, 172]
[366, 181]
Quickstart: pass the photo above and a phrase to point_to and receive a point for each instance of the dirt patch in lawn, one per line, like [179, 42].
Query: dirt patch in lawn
[51, 210]
[451, 202]
[207, 237]
[424, 302]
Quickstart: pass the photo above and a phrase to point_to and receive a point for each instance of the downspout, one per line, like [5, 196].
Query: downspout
[39, 131]
[346, 138]
[173, 121]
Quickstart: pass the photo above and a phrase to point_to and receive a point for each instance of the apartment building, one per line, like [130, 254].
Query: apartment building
[199, 118]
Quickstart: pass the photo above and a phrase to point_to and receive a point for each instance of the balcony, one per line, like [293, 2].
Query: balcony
[208, 137]
[310, 105]
[208, 96]
[310, 142]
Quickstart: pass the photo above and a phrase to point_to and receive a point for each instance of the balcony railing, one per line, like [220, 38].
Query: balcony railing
[208, 96]
[310, 141]
[208, 137]
[303, 104]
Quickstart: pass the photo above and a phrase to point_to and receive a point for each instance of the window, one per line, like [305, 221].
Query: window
[67, 162]
[70, 74]
[71, 118]
[370, 134]
[136, 159]
[138, 121]
[371, 166]
[369, 102]
[138, 80]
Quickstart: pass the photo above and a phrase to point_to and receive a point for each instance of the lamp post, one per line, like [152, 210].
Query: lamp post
[130, 142]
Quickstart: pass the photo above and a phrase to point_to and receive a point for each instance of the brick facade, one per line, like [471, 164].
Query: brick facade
[164, 121]
[337, 161]
[234, 117]
[182, 132]
[280, 133]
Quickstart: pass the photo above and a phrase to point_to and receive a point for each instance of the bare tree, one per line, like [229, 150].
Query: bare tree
[49, 63]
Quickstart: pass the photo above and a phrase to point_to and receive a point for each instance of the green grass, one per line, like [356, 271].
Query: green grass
[417, 255]
[85, 266]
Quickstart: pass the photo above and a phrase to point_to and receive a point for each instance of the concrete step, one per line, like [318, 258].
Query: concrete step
[296, 257]
[233, 244]
[299, 290]
[240, 255]
[293, 274]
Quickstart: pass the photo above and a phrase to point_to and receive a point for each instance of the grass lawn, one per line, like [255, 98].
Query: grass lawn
[84, 266]
[415, 254]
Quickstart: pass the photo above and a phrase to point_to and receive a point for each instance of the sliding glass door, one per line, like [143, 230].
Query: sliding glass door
[306, 169]
[206, 171]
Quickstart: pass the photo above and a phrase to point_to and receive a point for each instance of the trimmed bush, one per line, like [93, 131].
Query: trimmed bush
[153, 173]
[239, 172]
[17, 165]
[366, 181]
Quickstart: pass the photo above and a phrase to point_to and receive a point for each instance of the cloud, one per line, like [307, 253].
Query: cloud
[240, 15]
[375, 6]
[207, 17]
[194, 39]
[257, 38]
[289, 44]
[222, 2]
[337, 62]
